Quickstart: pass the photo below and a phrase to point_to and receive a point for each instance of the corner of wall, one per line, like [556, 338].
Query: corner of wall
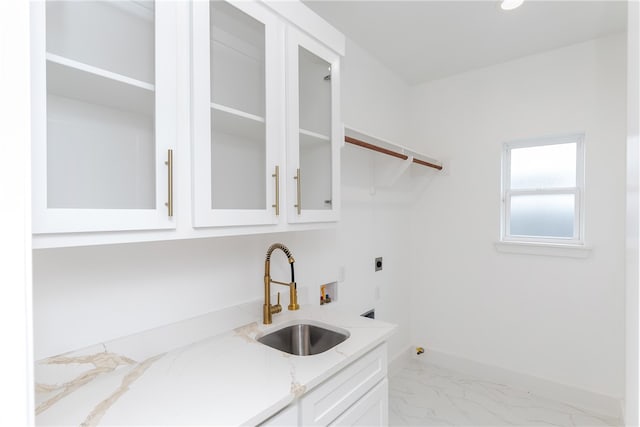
[631, 406]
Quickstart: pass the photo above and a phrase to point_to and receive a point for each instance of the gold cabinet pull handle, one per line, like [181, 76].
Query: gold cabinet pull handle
[299, 204]
[169, 164]
[276, 175]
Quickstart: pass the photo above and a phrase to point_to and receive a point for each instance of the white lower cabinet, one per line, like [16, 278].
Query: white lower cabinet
[285, 417]
[357, 395]
[371, 410]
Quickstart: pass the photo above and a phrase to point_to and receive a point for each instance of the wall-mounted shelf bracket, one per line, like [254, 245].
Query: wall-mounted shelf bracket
[393, 173]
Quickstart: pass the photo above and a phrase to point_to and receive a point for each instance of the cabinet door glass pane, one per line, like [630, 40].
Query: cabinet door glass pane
[238, 128]
[117, 36]
[100, 105]
[315, 130]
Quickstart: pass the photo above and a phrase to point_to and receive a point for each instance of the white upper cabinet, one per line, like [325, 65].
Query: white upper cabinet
[314, 130]
[103, 105]
[237, 87]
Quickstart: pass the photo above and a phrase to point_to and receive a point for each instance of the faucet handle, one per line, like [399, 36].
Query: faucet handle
[276, 308]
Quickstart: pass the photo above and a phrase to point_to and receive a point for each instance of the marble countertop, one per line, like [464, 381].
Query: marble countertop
[227, 378]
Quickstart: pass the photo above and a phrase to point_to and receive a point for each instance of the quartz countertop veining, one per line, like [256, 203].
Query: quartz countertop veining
[227, 378]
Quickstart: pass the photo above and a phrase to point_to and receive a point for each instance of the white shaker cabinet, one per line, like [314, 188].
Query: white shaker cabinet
[344, 399]
[103, 115]
[314, 129]
[355, 396]
[237, 86]
[371, 410]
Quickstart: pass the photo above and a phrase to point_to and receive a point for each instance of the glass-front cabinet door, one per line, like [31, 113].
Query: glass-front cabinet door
[237, 120]
[314, 131]
[103, 103]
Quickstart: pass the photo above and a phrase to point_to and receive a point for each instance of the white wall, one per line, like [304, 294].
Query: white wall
[560, 319]
[632, 409]
[16, 368]
[373, 98]
[86, 295]
[374, 101]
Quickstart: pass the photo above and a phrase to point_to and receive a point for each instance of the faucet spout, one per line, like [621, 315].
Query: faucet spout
[267, 309]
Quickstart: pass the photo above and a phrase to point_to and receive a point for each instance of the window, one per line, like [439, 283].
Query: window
[542, 190]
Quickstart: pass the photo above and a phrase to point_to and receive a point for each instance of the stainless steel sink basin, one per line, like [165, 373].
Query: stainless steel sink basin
[304, 338]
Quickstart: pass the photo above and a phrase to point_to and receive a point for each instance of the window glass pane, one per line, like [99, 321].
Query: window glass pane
[548, 215]
[546, 166]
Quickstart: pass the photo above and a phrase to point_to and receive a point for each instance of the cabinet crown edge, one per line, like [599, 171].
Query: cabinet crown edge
[309, 22]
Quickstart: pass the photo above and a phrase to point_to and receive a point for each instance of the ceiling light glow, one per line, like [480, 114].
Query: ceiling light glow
[511, 4]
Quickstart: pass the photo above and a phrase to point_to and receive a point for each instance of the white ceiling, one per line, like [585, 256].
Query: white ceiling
[426, 40]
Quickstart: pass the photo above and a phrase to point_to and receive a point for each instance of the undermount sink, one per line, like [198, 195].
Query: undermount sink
[304, 338]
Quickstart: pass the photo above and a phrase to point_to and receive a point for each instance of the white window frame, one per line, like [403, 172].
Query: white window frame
[578, 191]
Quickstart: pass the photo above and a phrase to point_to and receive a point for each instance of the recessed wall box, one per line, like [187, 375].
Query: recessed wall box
[371, 314]
[328, 293]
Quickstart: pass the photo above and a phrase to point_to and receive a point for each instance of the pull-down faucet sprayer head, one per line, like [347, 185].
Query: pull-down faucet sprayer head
[284, 249]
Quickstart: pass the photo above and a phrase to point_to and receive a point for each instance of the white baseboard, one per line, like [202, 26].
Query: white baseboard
[598, 403]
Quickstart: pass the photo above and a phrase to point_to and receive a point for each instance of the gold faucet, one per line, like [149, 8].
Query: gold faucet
[267, 308]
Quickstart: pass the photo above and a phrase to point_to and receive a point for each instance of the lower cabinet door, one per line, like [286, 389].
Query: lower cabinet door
[371, 410]
[322, 405]
[355, 396]
[286, 417]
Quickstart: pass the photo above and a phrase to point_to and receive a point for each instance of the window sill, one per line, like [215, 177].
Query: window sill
[544, 249]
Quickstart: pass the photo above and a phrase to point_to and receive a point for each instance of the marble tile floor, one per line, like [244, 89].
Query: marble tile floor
[422, 394]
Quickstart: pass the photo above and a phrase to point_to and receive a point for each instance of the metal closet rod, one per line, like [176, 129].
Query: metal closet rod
[382, 150]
